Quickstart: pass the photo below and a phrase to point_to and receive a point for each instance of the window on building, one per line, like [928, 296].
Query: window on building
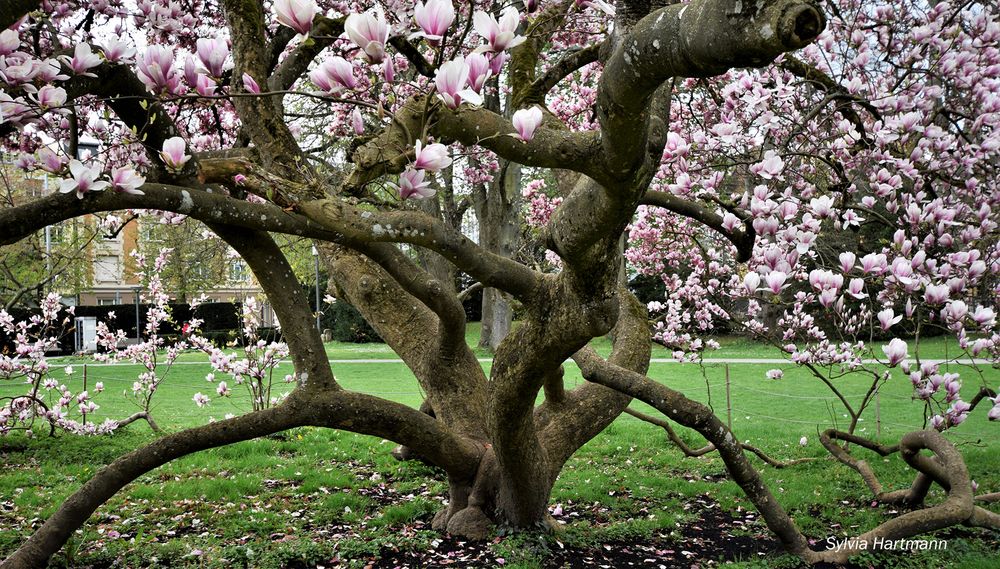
[107, 269]
[106, 302]
[238, 272]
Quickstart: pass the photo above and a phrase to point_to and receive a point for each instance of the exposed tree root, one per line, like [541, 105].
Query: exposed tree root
[697, 452]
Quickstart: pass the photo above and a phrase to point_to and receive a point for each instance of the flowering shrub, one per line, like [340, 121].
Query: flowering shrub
[47, 399]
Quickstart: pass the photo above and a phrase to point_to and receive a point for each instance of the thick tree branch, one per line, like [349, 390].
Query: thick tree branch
[324, 31]
[698, 39]
[572, 61]
[590, 408]
[36, 551]
[261, 117]
[391, 150]
[289, 301]
[13, 10]
[19, 222]
[418, 228]
[452, 379]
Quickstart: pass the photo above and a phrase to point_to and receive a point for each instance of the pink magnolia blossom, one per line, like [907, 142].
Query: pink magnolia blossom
[775, 281]
[205, 86]
[479, 71]
[984, 316]
[117, 51]
[84, 180]
[388, 71]
[730, 222]
[296, 14]
[83, 60]
[201, 399]
[874, 263]
[887, 318]
[822, 207]
[936, 294]
[497, 61]
[213, 54]
[451, 80]
[156, 70]
[357, 122]
[125, 180]
[526, 121]
[434, 18]
[49, 97]
[9, 42]
[250, 84]
[847, 260]
[500, 35]
[370, 32]
[412, 185]
[994, 414]
[173, 153]
[856, 288]
[896, 351]
[432, 157]
[770, 167]
[334, 76]
[751, 282]
[51, 162]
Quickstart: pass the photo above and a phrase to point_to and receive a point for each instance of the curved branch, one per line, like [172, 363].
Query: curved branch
[19, 222]
[947, 463]
[36, 551]
[743, 240]
[427, 289]
[695, 453]
[697, 416]
[550, 148]
[587, 410]
[698, 39]
[143, 415]
[418, 228]
[289, 301]
[324, 31]
[450, 375]
[388, 153]
[574, 60]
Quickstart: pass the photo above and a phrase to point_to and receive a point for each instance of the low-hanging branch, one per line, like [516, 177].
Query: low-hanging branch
[698, 452]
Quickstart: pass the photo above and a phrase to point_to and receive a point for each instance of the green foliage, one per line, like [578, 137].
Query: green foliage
[349, 326]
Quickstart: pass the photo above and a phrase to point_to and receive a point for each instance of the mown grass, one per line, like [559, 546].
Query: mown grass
[286, 501]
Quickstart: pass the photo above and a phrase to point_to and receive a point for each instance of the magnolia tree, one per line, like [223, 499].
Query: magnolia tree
[875, 139]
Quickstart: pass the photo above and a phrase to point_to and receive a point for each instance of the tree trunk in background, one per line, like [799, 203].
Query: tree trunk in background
[439, 267]
[497, 212]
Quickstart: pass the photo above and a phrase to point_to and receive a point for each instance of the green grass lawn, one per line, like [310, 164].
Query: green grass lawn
[285, 501]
